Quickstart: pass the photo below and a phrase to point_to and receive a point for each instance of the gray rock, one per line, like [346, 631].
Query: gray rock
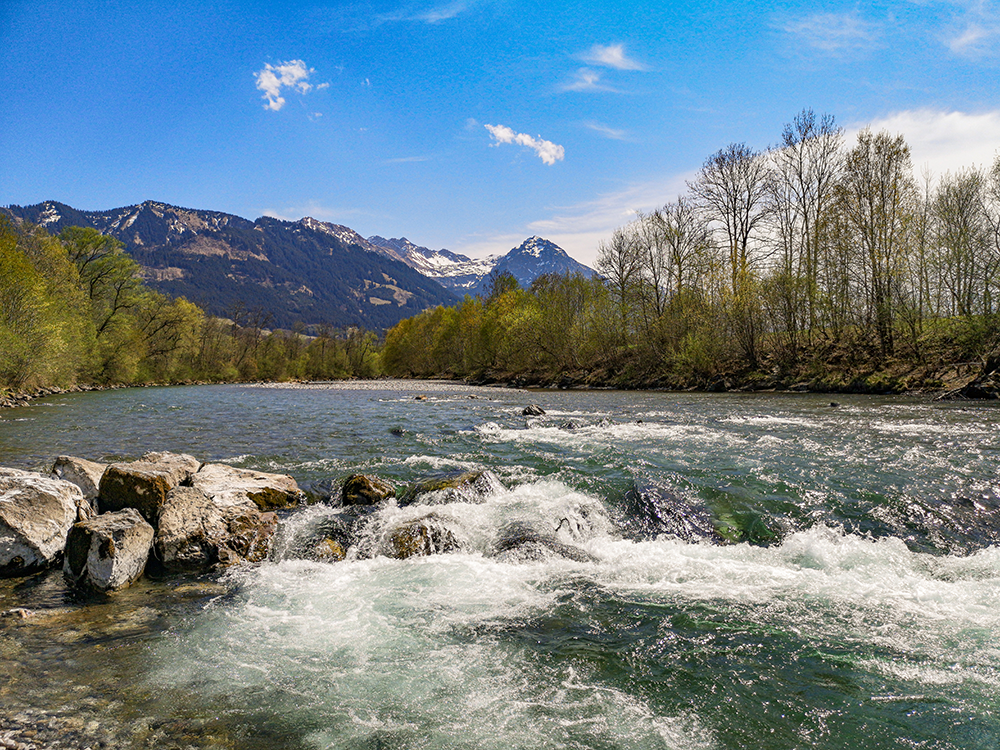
[364, 489]
[196, 533]
[144, 484]
[228, 485]
[455, 486]
[521, 542]
[419, 538]
[109, 552]
[36, 513]
[84, 474]
[533, 410]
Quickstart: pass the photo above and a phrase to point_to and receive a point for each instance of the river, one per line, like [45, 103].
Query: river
[855, 604]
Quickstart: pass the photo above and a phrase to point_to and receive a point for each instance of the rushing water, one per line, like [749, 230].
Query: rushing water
[859, 613]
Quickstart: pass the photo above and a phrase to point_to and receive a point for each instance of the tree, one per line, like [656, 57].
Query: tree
[733, 187]
[875, 206]
[807, 166]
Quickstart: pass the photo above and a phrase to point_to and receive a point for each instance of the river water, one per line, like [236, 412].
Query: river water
[855, 603]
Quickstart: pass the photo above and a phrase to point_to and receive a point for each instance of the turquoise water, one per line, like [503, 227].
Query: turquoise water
[860, 610]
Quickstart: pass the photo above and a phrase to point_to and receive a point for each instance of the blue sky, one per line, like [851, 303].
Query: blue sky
[464, 124]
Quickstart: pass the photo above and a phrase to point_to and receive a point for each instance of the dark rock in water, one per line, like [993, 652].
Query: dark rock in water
[144, 484]
[326, 537]
[651, 509]
[365, 489]
[108, 552]
[523, 542]
[958, 525]
[419, 538]
[456, 486]
[398, 431]
[36, 514]
[197, 533]
[533, 410]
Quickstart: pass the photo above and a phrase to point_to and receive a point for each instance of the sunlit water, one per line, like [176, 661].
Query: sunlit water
[835, 628]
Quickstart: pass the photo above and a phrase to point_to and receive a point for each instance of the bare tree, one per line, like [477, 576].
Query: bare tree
[876, 204]
[734, 186]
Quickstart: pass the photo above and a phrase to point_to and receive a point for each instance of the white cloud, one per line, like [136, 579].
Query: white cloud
[587, 80]
[433, 15]
[611, 56]
[547, 151]
[608, 132]
[943, 141]
[833, 33]
[273, 79]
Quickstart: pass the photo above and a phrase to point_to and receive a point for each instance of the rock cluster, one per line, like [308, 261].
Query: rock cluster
[107, 524]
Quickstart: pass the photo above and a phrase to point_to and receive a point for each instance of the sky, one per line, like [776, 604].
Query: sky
[465, 124]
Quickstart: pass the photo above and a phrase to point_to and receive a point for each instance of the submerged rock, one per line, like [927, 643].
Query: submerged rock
[197, 533]
[364, 489]
[36, 513]
[651, 509]
[109, 552]
[523, 542]
[84, 474]
[228, 485]
[322, 533]
[957, 525]
[456, 486]
[144, 484]
[421, 537]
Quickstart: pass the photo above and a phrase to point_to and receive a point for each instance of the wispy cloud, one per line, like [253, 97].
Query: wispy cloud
[975, 30]
[431, 15]
[943, 141]
[586, 79]
[608, 132]
[292, 75]
[407, 160]
[832, 33]
[611, 56]
[547, 151]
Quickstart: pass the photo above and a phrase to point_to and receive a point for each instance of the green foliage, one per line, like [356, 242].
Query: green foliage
[74, 309]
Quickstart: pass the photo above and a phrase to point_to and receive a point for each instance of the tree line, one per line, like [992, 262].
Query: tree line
[811, 260]
[75, 310]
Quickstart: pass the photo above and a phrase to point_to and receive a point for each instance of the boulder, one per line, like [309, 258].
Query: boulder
[456, 486]
[364, 489]
[36, 513]
[228, 485]
[419, 538]
[84, 474]
[196, 534]
[325, 534]
[108, 552]
[522, 542]
[144, 484]
[533, 410]
[653, 508]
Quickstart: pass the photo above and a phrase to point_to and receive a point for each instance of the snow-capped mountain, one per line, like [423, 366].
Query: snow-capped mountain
[532, 258]
[307, 271]
[452, 270]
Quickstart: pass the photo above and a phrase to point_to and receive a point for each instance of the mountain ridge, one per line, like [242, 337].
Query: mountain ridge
[304, 271]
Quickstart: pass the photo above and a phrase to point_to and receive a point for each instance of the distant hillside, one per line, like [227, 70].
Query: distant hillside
[306, 271]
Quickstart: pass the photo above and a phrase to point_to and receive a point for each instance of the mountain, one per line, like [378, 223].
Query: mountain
[452, 270]
[305, 271]
[536, 257]
[531, 259]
